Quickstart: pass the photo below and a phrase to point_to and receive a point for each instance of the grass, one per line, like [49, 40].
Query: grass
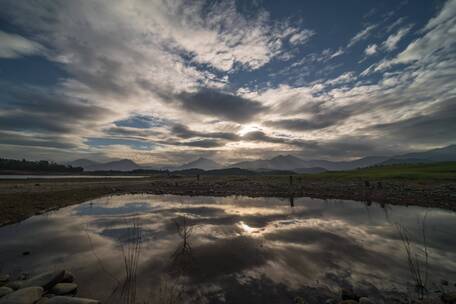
[417, 258]
[435, 171]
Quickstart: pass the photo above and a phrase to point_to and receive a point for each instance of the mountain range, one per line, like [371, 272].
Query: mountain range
[117, 165]
[283, 162]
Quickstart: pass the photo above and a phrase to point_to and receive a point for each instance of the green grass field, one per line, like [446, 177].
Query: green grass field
[434, 171]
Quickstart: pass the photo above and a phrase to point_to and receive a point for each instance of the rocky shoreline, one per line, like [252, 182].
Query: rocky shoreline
[20, 199]
[59, 287]
[55, 287]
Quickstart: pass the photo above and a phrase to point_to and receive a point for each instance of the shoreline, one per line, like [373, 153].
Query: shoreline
[23, 198]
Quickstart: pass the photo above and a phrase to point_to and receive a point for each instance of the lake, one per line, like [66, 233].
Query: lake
[231, 249]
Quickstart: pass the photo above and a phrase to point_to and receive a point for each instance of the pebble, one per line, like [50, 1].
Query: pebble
[15, 285]
[4, 277]
[449, 297]
[45, 280]
[29, 295]
[64, 288]
[5, 290]
[365, 300]
[349, 294]
[68, 277]
[70, 300]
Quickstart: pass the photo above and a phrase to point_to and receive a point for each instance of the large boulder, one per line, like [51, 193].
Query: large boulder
[46, 280]
[70, 300]
[29, 295]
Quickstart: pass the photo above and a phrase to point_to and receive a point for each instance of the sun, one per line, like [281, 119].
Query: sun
[248, 128]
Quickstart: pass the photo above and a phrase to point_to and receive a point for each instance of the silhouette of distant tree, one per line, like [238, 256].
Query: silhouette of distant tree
[41, 165]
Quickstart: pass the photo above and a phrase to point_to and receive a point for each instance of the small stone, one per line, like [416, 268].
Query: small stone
[64, 288]
[4, 277]
[45, 280]
[349, 294]
[15, 285]
[27, 295]
[5, 290]
[449, 297]
[71, 300]
[42, 301]
[348, 302]
[364, 300]
[68, 277]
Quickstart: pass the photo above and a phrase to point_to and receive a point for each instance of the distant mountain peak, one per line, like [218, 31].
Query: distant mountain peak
[201, 163]
[286, 157]
[116, 165]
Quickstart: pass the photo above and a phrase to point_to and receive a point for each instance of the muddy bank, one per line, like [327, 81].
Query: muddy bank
[20, 199]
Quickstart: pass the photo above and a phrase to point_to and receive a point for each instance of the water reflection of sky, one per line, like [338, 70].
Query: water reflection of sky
[238, 244]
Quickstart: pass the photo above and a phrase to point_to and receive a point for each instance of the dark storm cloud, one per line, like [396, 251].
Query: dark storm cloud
[32, 109]
[320, 117]
[7, 138]
[345, 146]
[204, 143]
[263, 137]
[219, 104]
[200, 143]
[185, 132]
[300, 124]
[434, 128]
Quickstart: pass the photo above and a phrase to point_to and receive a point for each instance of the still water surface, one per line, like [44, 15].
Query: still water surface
[237, 249]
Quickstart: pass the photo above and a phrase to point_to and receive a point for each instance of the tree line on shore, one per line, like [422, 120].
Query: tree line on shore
[38, 166]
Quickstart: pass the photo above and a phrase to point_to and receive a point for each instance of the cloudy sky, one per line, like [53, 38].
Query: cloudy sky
[164, 81]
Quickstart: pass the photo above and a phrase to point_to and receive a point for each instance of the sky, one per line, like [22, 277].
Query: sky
[168, 81]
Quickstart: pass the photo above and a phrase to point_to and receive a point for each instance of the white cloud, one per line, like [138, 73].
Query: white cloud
[361, 35]
[337, 53]
[371, 49]
[392, 41]
[344, 78]
[390, 27]
[301, 37]
[437, 44]
[13, 46]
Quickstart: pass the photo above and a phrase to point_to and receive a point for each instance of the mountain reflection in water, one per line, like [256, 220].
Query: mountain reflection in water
[231, 248]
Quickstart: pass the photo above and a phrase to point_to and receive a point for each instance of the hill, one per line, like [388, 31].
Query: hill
[117, 165]
[444, 154]
[430, 171]
[200, 163]
[290, 162]
[83, 163]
